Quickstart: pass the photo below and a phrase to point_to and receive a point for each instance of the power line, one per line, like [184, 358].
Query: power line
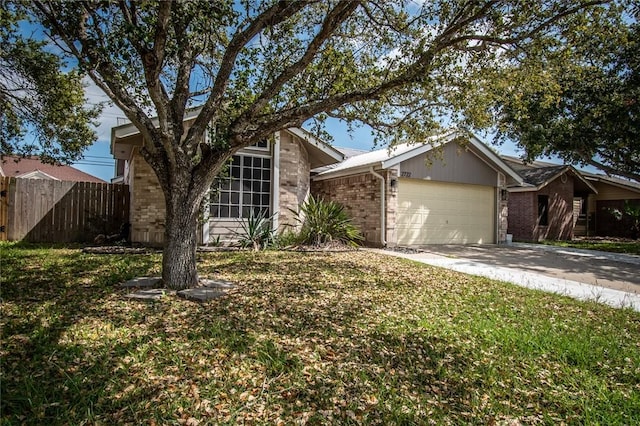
[80, 163]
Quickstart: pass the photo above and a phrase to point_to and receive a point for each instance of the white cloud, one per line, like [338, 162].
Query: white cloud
[111, 115]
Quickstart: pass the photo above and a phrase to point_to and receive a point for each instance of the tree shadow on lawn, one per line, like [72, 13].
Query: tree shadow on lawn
[317, 345]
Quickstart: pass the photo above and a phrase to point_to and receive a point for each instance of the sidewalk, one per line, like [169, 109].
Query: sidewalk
[537, 281]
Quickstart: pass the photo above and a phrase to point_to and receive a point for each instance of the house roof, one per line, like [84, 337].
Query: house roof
[32, 167]
[542, 175]
[538, 174]
[621, 183]
[320, 152]
[390, 157]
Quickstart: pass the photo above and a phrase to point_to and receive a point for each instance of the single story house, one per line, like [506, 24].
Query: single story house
[32, 168]
[447, 190]
[433, 193]
[558, 202]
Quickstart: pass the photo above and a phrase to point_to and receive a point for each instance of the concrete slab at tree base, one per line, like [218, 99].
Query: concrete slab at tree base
[201, 294]
[144, 282]
[207, 290]
[149, 295]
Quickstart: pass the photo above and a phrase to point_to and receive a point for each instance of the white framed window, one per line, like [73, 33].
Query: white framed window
[245, 191]
[263, 145]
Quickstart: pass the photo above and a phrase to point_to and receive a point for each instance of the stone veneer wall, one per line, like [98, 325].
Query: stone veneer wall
[360, 195]
[503, 219]
[294, 177]
[147, 203]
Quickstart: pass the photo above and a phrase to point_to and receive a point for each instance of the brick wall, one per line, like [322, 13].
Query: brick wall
[147, 211]
[294, 177]
[360, 195]
[522, 215]
[523, 212]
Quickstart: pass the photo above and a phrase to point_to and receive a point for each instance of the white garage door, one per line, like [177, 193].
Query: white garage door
[444, 213]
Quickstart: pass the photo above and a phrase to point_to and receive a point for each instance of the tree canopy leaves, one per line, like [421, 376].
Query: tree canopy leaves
[580, 101]
[42, 106]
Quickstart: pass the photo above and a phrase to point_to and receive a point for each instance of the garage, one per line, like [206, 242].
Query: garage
[444, 213]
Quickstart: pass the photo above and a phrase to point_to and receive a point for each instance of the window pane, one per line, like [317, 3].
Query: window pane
[224, 211]
[235, 185]
[235, 212]
[235, 198]
[266, 163]
[246, 161]
[246, 198]
[543, 210]
[236, 160]
[256, 186]
[235, 172]
[246, 211]
[265, 199]
[224, 198]
[266, 175]
[266, 187]
[257, 162]
[256, 199]
[214, 211]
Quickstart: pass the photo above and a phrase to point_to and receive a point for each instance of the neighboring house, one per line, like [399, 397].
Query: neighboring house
[439, 192]
[272, 176]
[558, 202]
[33, 168]
[612, 194]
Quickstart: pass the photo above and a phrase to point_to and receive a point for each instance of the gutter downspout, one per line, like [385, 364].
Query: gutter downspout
[383, 204]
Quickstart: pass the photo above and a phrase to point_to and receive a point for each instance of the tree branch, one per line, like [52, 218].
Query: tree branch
[274, 15]
[332, 21]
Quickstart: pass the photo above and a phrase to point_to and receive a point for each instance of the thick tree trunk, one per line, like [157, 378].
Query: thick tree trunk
[179, 269]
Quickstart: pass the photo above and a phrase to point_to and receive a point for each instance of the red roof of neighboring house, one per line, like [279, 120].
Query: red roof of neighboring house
[19, 167]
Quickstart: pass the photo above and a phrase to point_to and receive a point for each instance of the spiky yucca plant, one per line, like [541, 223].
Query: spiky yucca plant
[256, 231]
[325, 221]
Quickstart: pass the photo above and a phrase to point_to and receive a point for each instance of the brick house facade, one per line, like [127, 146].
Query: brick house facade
[548, 206]
[276, 176]
[525, 221]
[361, 196]
[424, 193]
[280, 169]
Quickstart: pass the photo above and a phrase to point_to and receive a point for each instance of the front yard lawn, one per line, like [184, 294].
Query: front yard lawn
[602, 244]
[318, 338]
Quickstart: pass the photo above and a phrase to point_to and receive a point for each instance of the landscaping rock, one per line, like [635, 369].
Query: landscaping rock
[201, 294]
[219, 284]
[149, 295]
[144, 282]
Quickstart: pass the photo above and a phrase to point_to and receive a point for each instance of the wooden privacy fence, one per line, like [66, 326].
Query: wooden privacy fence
[39, 210]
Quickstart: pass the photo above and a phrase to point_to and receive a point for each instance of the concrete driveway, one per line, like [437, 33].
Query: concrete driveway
[584, 274]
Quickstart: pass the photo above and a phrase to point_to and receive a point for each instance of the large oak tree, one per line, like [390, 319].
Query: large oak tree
[255, 67]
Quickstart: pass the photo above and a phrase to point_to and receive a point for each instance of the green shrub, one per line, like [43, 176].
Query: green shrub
[325, 221]
[256, 231]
